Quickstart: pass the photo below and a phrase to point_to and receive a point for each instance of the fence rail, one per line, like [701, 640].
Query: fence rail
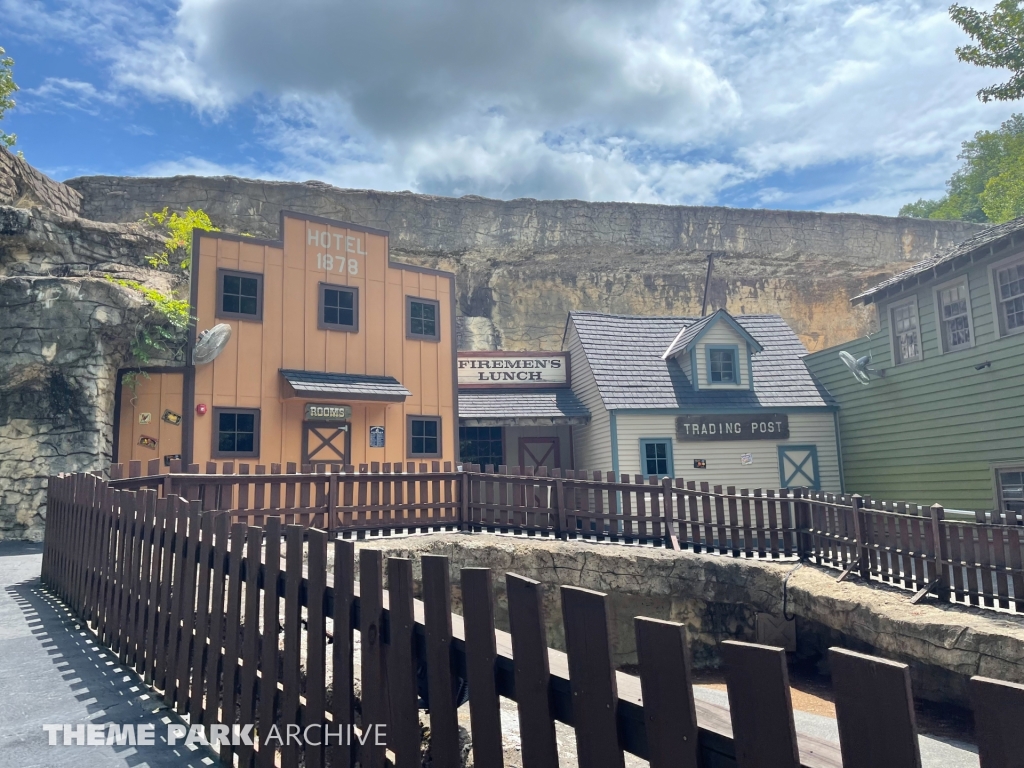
[239, 624]
[979, 563]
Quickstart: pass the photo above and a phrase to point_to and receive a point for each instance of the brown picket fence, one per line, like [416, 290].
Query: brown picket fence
[235, 624]
[908, 546]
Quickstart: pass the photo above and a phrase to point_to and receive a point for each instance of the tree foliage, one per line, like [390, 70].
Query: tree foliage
[179, 234]
[999, 38]
[7, 88]
[989, 186]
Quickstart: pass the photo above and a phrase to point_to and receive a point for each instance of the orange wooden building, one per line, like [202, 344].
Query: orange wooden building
[337, 354]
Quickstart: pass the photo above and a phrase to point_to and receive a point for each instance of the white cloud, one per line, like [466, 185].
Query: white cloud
[812, 103]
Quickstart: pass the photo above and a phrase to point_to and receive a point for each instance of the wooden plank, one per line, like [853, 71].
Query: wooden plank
[316, 646]
[340, 752]
[188, 608]
[723, 538]
[760, 706]
[592, 678]
[156, 606]
[998, 712]
[481, 654]
[403, 725]
[167, 517]
[437, 613]
[670, 717]
[531, 671]
[250, 638]
[292, 655]
[269, 641]
[233, 627]
[371, 620]
[178, 512]
[147, 586]
[218, 584]
[202, 620]
[748, 537]
[875, 710]
[734, 525]
[1016, 570]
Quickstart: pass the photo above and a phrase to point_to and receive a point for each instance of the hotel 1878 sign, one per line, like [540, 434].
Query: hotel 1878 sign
[732, 426]
[513, 369]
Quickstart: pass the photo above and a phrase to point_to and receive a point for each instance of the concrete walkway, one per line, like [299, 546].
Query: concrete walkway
[53, 671]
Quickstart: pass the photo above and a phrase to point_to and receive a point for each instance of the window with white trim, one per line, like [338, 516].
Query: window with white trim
[906, 333]
[1010, 486]
[656, 457]
[954, 316]
[722, 365]
[1009, 286]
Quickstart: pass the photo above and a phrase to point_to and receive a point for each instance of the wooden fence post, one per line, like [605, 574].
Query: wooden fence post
[560, 531]
[858, 534]
[464, 500]
[671, 540]
[941, 588]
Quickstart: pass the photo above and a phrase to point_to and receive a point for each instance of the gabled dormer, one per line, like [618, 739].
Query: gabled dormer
[714, 352]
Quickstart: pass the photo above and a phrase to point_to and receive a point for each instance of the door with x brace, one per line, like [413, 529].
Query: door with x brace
[326, 442]
[798, 466]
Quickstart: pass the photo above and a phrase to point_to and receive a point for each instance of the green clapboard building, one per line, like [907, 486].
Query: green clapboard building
[941, 418]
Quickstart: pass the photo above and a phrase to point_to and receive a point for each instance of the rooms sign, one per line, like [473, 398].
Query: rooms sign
[513, 369]
[732, 426]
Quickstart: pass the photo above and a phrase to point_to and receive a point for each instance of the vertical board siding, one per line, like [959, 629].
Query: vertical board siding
[931, 430]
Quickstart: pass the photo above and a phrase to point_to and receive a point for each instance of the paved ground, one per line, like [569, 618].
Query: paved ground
[53, 671]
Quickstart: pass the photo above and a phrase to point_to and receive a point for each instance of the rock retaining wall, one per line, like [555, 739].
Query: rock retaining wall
[718, 597]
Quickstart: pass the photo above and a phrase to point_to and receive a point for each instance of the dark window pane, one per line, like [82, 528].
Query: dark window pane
[345, 299]
[247, 306]
[331, 298]
[417, 445]
[346, 317]
[248, 286]
[230, 303]
[232, 284]
[226, 442]
[430, 428]
[227, 422]
[331, 315]
[244, 442]
[245, 422]
[417, 326]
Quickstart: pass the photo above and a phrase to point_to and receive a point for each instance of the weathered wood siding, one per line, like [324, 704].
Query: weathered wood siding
[153, 394]
[592, 444]
[815, 428]
[931, 430]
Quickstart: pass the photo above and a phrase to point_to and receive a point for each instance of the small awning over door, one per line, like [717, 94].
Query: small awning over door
[520, 407]
[343, 386]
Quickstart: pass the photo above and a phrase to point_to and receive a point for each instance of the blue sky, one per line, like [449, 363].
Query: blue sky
[814, 104]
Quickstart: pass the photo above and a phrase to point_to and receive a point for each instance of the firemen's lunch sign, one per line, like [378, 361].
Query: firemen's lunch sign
[512, 369]
[732, 426]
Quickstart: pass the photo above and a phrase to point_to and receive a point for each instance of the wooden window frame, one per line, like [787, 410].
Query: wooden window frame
[501, 429]
[322, 324]
[939, 322]
[408, 440]
[889, 309]
[997, 315]
[408, 319]
[737, 376]
[670, 461]
[216, 453]
[1013, 466]
[221, 274]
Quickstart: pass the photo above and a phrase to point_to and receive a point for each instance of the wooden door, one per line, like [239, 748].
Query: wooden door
[540, 452]
[326, 442]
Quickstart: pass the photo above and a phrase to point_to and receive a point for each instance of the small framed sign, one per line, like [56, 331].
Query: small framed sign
[700, 463]
[145, 418]
[376, 437]
[171, 417]
[148, 442]
[328, 412]
[746, 458]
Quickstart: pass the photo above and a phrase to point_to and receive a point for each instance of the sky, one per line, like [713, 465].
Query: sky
[830, 105]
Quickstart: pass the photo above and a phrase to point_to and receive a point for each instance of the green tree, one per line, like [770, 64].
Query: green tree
[999, 38]
[989, 186]
[7, 87]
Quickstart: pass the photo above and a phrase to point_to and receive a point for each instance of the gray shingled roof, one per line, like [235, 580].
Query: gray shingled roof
[320, 383]
[982, 244]
[558, 404]
[686, 335]
[624, 352]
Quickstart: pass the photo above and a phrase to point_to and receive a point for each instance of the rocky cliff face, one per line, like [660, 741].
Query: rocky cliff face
[523, 264]
[65, 330]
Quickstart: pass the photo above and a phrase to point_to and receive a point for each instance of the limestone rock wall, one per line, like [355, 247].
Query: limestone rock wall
[65, 331]
[523, 264]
